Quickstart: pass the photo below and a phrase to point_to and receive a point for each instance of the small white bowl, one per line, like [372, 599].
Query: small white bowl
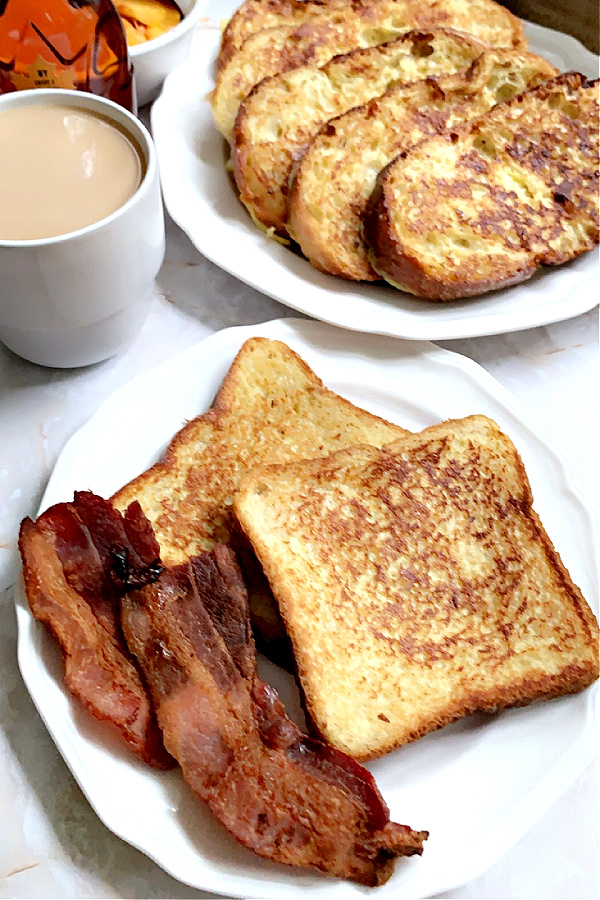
[153, 60]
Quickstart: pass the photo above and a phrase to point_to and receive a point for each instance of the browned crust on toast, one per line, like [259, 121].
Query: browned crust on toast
[271, 407]
[189, 536]
[549, 217]
[283, 113]
[325, 35]
[337, 173]
[255, 15]
[268, 52]
[453, 602]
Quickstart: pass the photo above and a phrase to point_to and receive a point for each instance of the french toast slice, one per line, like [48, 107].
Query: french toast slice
[255, 15]
[282, 114]
[498, 27]
[417, 584]
[321, 37]
[274, 50]
[485, 205]
[270, 408]
[336, 175]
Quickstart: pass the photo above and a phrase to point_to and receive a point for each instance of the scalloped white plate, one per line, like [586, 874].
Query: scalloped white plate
[200, 198]
[478, 785]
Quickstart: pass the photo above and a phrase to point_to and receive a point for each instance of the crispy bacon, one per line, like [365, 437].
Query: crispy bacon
[78, 559]
[284, 795]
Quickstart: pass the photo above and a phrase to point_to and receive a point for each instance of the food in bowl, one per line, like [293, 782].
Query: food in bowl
[144, 20]
[154, 59]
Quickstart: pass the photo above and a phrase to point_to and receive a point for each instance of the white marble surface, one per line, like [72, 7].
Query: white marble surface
[51, 843]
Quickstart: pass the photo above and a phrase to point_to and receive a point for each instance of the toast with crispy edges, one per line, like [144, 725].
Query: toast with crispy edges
[270, 408]
[328, 34]
[492, 22]
[417, 584]
[274, 50]
[282, 114]
[337, 173]
[256, 15]
[486, 204]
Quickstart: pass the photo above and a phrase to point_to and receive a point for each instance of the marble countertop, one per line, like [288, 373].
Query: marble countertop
[51, 843]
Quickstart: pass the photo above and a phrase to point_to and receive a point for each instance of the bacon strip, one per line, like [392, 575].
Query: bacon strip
[287, 797]
[78, 559]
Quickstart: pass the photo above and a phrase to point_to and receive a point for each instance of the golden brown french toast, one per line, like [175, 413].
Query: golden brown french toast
[336, 174]
[417, 584]
[285, 47]
[498, 27]
[484, 205]
[254, 15]
[271, 408]
[328, 34]
[282, 114]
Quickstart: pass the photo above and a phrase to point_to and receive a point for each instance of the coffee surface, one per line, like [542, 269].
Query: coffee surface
[61, 168]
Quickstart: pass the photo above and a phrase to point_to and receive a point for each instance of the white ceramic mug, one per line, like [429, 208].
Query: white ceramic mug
[81, 297]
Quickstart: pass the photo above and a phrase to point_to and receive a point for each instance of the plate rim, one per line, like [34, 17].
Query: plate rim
[287, 329]
[393, 322]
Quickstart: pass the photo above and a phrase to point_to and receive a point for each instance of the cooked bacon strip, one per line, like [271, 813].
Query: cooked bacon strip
[78, 558]
[226, 601]
[289, 798]
[126, 544]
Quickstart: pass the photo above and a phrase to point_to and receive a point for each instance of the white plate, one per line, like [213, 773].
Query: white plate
[200, 198]
[477, 785]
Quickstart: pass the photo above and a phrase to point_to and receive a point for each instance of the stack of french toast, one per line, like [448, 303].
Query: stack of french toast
[414, 141]
[404, 578]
